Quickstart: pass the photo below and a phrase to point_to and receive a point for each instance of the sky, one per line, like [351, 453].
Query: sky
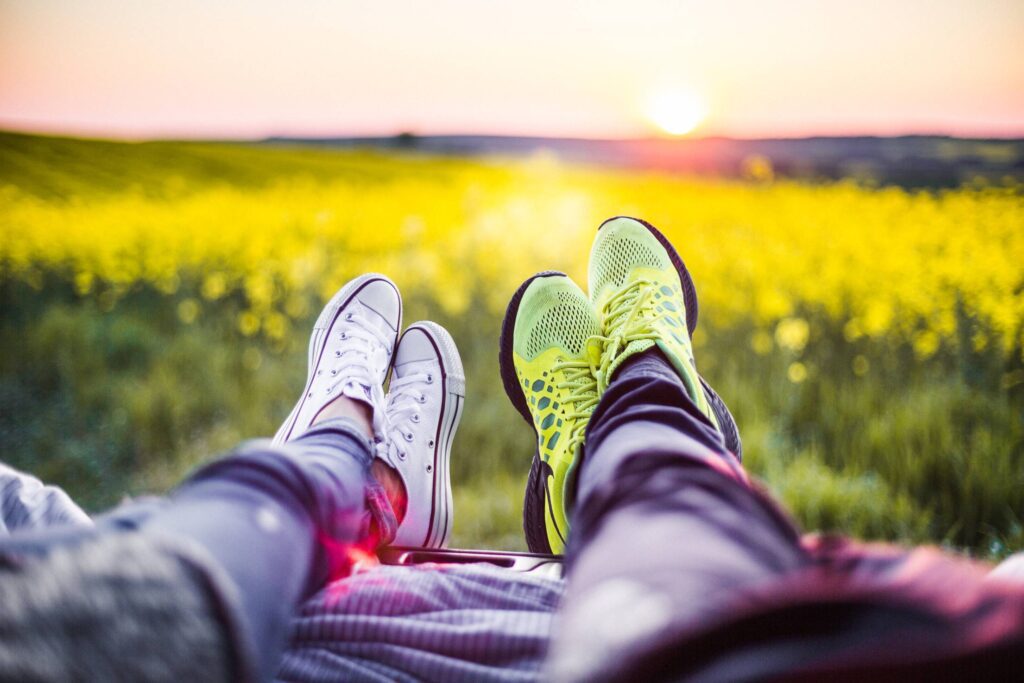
[588, 68]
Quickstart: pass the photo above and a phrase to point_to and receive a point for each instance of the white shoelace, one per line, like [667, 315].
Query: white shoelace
[405, 401]
[357, 364]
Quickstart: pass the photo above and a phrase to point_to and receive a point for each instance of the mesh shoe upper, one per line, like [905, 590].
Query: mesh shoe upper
[554, 313]
[617, 251]
[638, 293]
[552, 361]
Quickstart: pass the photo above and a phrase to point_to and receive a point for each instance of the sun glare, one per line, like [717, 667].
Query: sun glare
[676, 112]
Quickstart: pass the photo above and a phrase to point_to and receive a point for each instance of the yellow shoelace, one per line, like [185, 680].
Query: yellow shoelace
[627, 317]
[583, 396]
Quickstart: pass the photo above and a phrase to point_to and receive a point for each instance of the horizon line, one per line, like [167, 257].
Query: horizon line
[279, 137]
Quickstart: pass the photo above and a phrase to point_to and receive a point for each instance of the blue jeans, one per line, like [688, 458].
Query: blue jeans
[278, 521]
[460, 622]
[289, 518]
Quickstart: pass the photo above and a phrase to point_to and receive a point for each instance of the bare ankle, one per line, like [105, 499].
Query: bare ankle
[343, 406]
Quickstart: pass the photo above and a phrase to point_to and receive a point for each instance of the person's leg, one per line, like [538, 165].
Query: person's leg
[665, 524]
[294, 508]
[679, 568]
[240, 542]
[287, 518]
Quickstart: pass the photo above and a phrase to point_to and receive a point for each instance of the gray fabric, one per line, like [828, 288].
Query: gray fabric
[26, 503]
[451, 623]
[122, 606]
[473, 622]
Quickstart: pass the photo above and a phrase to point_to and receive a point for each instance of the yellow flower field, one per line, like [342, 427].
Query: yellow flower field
[870, 340]
[887, 263]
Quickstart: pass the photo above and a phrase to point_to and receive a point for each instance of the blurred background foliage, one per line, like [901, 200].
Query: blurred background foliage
[156, 299]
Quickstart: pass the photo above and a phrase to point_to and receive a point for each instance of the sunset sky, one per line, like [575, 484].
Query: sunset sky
[745, 68]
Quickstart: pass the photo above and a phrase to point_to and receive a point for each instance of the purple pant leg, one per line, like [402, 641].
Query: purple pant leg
[665, 525]
[679, 568]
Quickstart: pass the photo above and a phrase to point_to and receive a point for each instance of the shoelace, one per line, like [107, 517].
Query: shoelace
[583, 396]
[627, 314]
[404, 401]
[586, 378]
[359, 360]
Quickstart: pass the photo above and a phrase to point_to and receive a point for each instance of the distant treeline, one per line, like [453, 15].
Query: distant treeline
[909, 161]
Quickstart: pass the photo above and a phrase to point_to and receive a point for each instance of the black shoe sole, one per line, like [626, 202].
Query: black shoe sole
[535, 498]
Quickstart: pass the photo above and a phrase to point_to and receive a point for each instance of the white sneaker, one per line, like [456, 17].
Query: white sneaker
[424, 404]
[350, 352]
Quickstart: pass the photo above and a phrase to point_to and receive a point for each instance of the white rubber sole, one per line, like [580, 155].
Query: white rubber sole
[453, 379]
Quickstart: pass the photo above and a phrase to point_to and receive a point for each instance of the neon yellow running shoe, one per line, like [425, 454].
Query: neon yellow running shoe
[644, 298]
[548, 376]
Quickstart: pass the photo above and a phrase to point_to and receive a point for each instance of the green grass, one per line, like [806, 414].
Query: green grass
[126, 400]
[56, 168]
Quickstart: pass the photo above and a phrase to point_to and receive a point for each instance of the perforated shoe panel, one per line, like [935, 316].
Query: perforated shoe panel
[555, 315]
[621, 246]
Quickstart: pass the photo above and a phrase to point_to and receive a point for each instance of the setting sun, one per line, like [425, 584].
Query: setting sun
[676, 112]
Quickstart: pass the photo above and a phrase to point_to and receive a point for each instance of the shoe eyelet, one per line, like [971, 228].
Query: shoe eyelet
[430, 379]
[309, 395]
[334, 371]
[408, 436]
[430, 468]
[430, 444]
[421, 399]
[349, 317]
[344, 336]
[415, 418]
[330, 389]
[337, 354]
[401, 455]
[319, 372]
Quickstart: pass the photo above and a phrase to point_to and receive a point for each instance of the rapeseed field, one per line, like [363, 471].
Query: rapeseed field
[157, 299]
